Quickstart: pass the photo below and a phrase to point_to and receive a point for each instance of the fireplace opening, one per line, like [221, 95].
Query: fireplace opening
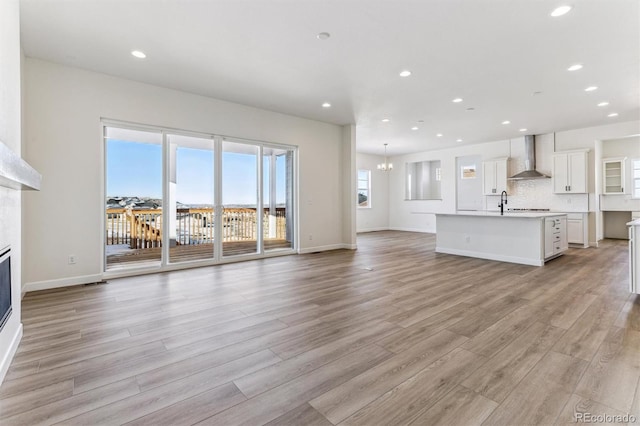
[5, 285]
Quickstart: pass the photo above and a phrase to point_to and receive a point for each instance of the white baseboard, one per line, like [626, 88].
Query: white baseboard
[62, 282]
[578, 245]
[327, 248]
[359, 231]
[8, 356]
[490, 256]
[593, 244]
[424, 231]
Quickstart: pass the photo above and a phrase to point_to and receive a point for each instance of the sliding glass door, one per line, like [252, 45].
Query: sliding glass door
[133, 207]
[190, 198]
[277, 172]
[176, 197]
[240, 224]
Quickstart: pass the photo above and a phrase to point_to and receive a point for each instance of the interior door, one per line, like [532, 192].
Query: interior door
[469, 183]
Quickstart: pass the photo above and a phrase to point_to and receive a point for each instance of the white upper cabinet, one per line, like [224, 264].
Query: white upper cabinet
[570, 172]
[494, 175]
[613, 177]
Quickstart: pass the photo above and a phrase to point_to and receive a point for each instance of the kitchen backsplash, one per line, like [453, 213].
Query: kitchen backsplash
[538, 194]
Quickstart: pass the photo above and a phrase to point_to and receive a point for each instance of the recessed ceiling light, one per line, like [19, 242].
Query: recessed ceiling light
[537, 92]
[458, 140]
[323, 36]
[591, 88]
[559, 11]
[326, 105]
[385, 120]
[414, 128]
[138, 54]
[405, 73]
[506, 122]
[523, 130]
[471, 109]
[439, 135]
[457, 100]
[575, 67]
[613, 114]
[605, 103]
[420, 121]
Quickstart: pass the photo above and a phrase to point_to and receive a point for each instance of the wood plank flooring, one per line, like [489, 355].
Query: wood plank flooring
[392, 333]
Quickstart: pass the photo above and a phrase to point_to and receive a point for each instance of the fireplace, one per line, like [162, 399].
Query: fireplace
[5, 285]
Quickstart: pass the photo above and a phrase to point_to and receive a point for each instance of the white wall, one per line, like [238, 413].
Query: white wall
[616, 148]
[419, 215]
[611, 222]
[375, 218]
[10, 200]
[349, 186]
[64, 106]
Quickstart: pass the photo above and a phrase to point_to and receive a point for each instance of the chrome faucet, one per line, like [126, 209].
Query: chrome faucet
[503, 201]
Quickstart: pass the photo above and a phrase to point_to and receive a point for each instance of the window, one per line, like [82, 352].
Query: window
[173, 198]
[364, 189]
[636, 178]
[423, 180]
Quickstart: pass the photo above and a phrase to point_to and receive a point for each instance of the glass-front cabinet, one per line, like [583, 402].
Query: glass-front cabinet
[613, 175]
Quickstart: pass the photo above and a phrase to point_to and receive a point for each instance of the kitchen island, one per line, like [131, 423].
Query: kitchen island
[529, 238]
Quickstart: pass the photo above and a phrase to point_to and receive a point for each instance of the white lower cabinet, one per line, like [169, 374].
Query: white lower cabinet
[555, 236]
[578, 229]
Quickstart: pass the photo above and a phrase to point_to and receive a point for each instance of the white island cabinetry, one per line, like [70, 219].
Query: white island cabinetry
[634, 256]
[525, 238]
[555, 236]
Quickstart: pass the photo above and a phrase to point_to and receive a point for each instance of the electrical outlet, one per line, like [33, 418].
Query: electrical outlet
[72, 259]
[310, 237]
[467, 238]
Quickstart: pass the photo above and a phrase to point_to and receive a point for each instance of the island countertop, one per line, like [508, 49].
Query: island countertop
[526, 215]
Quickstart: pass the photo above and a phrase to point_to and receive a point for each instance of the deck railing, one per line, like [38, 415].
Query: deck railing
[142, 228]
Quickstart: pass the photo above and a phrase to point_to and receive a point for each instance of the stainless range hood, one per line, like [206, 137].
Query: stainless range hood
[530, 171]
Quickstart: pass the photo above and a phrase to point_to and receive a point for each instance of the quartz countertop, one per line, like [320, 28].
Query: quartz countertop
[491, 213]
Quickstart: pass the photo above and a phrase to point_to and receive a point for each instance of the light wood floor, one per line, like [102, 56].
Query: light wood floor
[392, 333]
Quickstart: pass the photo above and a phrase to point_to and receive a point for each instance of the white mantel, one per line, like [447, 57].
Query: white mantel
[16, 173]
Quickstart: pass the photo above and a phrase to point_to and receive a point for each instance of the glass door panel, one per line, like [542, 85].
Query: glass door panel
[190, 207]
[133, 198]
[277, 172]
[239, 198]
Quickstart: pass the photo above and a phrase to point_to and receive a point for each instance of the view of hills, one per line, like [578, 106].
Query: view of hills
[149, 203]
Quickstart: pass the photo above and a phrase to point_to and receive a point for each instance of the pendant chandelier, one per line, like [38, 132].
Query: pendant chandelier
[386, 166]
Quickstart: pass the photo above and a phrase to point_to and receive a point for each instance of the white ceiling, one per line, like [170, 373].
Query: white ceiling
[492, 53]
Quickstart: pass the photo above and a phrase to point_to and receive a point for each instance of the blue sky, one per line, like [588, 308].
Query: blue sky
[135, 169]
